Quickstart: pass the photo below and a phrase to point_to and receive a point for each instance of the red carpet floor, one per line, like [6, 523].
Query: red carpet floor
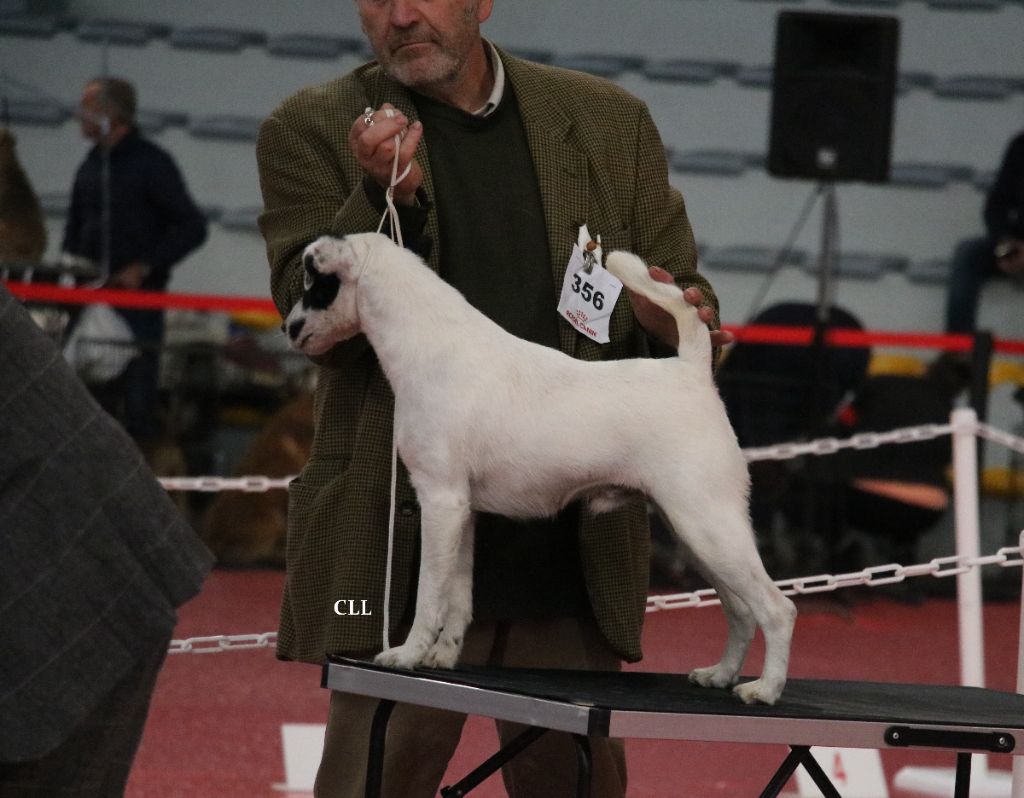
[214, 729]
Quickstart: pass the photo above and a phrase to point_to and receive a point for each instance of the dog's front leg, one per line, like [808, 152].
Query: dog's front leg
[444, 519]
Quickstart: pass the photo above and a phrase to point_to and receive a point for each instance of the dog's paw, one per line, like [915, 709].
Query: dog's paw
[443, 654]
[758, 692]
[712, 676]
[402, 657]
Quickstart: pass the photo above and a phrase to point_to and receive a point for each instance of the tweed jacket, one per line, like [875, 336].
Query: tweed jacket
[94, 556]
[599, 160]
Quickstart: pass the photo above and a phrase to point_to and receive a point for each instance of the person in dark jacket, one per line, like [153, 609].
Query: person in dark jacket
[95, 559]
[131, 213]
[1000, 252]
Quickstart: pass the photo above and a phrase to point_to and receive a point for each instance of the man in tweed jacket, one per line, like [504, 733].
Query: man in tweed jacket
[591, 154]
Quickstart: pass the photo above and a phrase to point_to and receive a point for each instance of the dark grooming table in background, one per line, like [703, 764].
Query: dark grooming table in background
[667, 706]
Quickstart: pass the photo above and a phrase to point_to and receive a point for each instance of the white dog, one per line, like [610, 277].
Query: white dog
[488, 422]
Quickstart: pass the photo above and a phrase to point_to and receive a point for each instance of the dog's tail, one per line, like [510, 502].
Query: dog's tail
[694, 337]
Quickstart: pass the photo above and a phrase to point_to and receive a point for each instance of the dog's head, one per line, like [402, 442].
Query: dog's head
[327, 312]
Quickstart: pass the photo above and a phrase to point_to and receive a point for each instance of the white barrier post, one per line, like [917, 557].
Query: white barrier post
[966, 513]
[1017, 790]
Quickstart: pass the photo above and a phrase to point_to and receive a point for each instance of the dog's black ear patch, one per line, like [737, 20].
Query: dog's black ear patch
[322, 290]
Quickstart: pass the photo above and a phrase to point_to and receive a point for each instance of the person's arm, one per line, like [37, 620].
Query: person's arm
[308, 191]
[665, 242]
[1004, 216]
[183, 224]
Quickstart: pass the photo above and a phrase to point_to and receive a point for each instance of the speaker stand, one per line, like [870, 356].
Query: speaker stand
[822, 496]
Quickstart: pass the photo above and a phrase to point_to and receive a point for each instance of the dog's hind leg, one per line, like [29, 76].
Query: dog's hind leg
[444, 519]
[459, 606]
[741, 632]
[722, 542]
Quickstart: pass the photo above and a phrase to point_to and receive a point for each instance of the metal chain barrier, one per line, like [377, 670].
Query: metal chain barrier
[253, 484]
[891, 573]
[888, 574]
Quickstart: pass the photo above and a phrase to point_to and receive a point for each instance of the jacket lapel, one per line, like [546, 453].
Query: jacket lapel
[562, 172]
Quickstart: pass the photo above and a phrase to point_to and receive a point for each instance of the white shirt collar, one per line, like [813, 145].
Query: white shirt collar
[499, 83]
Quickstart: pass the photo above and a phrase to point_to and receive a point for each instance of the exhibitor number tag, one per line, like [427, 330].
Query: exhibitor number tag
[588, 296]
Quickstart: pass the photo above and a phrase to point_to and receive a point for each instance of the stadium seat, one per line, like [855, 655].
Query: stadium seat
[713, 162]
[681, 71]
[975, 87]
[216, 39]
[864, 265]
[124, 32]
[37, 112]
[605, 66]
[30, 25]
[241, 219]
[935, 270]
[750, 258]
[152, 122]
[309, 46]
[238, 128]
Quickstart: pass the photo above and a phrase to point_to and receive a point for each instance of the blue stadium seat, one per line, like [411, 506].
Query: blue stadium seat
[683, 71]
[228, 40]
[750, 258]
[237, 128]
[935, 270]
[117, 31]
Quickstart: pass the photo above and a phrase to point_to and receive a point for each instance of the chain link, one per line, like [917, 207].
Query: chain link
[217, 643]
[862, 440]
[254, 484]
[874, 576]
[999, 436]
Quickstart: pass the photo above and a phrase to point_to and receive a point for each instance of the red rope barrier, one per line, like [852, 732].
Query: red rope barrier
[753, 334]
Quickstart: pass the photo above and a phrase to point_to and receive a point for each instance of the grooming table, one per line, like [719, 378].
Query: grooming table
[667, 706]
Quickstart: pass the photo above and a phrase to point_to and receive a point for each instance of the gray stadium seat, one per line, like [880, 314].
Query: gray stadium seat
[750, 258]
[975, 87]
[152, 122]
[906, 81]
[864, 265]
[888, 3]
[227, 40]
[300, 45]
[241, 219]
[755, 77]
[934, 270]
[983, 180]
[213, 213]
[713, 162]
[966, 5]
[54, 204]
[539, 56]
[923, 175]
[237, 128]
[30, 26]
[682, 71]
[117, 31]
[605, 66]
[37, 112]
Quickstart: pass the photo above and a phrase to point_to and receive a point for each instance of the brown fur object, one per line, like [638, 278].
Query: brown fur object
[249, 528]
[22, 229]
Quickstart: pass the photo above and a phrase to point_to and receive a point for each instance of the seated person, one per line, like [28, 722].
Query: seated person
[999, 253]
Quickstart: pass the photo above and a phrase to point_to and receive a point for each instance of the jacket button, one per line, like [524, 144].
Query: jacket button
[407, 508]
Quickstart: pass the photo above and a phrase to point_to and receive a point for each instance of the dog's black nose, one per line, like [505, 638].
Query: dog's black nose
[295, 328]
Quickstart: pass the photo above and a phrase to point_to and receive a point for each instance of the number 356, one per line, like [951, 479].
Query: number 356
[586, 290]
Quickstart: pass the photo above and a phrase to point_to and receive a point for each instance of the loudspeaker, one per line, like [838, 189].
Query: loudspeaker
[833, 90]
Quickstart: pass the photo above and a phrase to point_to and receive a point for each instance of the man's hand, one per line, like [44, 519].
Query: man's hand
[1013, 262]
[374, 148]
[130, 277]
[661, 325]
